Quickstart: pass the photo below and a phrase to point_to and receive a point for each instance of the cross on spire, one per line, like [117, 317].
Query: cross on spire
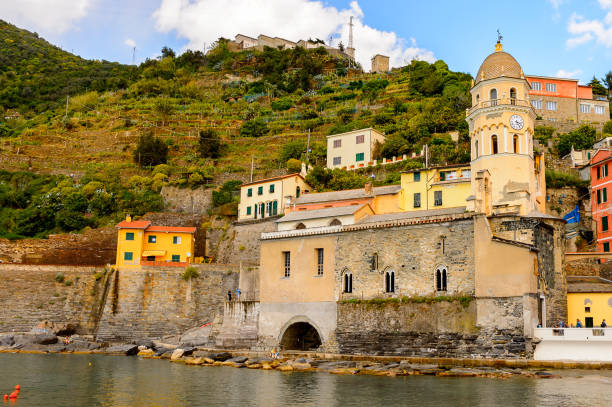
[499, 36]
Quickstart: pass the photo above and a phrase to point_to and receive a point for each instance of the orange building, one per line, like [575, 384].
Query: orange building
[559, 100]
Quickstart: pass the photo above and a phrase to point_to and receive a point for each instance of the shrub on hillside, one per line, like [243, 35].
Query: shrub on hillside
[558, 179]
[607, 128]
[582, 138]
[254, 128]
[293, 149]
[227, 193]
[150, 151]
[209, 144]
[282, 104]
[543, 133]
[294, 165]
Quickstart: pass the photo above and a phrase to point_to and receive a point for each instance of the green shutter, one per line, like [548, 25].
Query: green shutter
[128, 256]
[271, 188]
[275, 207]
[248, 210]
[250, 192]
[359, 157]
[605, 195]
[604, 224]
[599, 196]
[129, 236]
[176, 258]
[417, 177]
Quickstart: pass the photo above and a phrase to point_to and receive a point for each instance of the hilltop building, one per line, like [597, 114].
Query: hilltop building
[380, 63]
[485, 238]
[269, 197]
[353, 149]
[244, 42]
[560, 102]
[139, 243]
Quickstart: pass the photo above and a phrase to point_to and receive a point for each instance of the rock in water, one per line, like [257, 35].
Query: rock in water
[127, 350]
[177, 354]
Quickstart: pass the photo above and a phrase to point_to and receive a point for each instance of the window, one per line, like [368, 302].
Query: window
[604, 170]
[176, 239]
[599, 196]
[150, 258]
[262, 207]
[297, 192]
[335, 222]
[274, 208]
[255, 211]
[515, 144]
[493, 97]
[442, 176]
[551, 105]
[360, 139]
[466, 173]
[250, 192]
[606, 247]
[604, 195]
[587, 309]
[416, 177]
[300, 226]
[176, 258]
[584, 108]
[437, 198]
[551, 87]
[600, 110]
[359, 157]
[337, 160]
[537, 104]
[604, 224]
[337, 143]
[476, 148]
[319, 262]
[390, 281]
[128, 256]
[512, 96]
[129, 236]
[417, 200]
[260, 190]
[493, 144]
[374, 262]
[441, 278]
[598, 172]
[152, 239]
[536, 85]
[271, 188]
[287, 263]
[348, 282]
[248, 210]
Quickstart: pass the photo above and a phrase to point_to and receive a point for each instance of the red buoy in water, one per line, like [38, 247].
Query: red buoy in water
[14, 395]
[5, 397]
[17, 387]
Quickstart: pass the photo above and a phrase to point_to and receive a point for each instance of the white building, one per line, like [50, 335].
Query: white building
[352, 149]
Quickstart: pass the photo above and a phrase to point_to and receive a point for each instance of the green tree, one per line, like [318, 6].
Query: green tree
[294, 165]
[293, 149]
[150, 151]
[582, 138]
[164, 107]
[607, 128]
[607, 81]
[254, 128]
[598, 88]
[210, 144]
[167, 52]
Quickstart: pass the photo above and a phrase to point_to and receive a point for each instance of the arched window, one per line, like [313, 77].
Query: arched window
[515, 144]
[348, 282]
[300, 226]
[390, 281]
[476, 149]
[441, 278]
[262, 208]
[274, 207]
[297, 192]
[493, 97]
[335, 222]
[494, 144]
[477, 99]
[512, 96]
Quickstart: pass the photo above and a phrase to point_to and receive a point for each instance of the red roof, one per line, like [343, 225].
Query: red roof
[178, 229]
[137, 224]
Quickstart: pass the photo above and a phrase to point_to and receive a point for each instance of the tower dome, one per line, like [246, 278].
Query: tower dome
[499, 64]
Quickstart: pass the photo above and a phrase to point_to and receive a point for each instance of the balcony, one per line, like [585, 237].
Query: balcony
[498, 102]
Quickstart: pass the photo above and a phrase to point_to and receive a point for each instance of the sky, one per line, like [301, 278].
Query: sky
[566, 38]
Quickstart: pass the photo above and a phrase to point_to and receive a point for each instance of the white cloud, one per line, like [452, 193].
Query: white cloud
[586, 30]
[203, 21]
[130, 43]
[556, 3]
[562, 73]
[45, 16]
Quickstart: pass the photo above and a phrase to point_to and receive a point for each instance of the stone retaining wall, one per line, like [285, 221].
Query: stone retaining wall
[442, 329]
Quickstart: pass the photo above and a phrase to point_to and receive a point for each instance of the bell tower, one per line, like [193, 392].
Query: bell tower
[501, 124]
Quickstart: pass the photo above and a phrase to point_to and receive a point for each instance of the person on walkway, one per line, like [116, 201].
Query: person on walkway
[229, 295]
[603, 323]
[578, 323]
[561, 324]
[238, 292]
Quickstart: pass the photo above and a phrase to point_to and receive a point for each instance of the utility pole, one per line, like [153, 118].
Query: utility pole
[307, 149]
[134, 56]
[252, 164]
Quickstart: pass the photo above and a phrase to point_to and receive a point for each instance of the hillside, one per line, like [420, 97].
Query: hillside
[214, 113]
[36, 75]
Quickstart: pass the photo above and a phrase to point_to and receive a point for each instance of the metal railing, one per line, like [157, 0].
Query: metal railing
[499, 102]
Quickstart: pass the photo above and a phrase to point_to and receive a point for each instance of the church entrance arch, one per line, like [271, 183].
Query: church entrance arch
[300, 336]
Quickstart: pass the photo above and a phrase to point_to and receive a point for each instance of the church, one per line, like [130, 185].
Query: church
[470, 278]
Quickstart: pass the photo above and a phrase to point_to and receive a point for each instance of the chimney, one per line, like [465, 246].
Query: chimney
[128, 218]
[368, 189]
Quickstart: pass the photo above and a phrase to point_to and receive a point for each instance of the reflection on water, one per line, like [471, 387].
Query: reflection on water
[68, 380]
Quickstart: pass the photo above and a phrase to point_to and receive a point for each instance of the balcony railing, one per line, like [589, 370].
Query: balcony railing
[498, 102]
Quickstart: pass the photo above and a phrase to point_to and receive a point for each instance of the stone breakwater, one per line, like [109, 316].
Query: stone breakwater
[290, 362]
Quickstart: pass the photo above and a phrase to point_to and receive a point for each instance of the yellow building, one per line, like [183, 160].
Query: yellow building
[435, 188]
[141, 244]
[588, 299]
[268, 197]
[501, 122]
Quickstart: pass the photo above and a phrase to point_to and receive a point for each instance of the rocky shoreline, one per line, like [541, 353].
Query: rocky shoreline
[46, 342]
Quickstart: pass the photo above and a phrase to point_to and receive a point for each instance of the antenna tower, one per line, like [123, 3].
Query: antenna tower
[134, 56]
[350, 43]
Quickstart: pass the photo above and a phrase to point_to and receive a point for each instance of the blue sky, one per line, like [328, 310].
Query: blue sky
[548, 37]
